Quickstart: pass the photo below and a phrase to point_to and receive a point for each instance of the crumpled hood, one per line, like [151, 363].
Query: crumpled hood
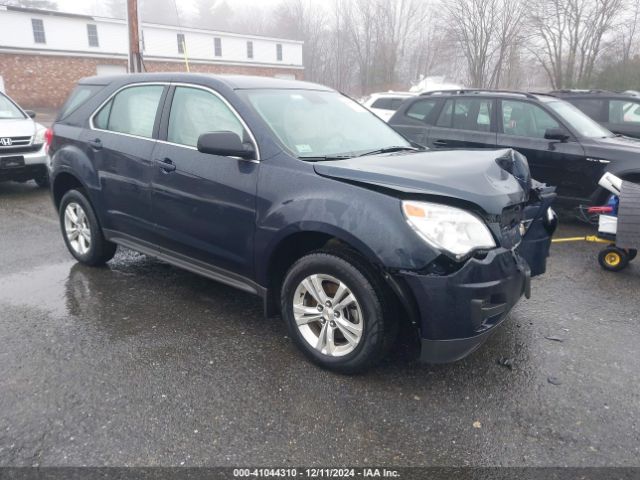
[471, 175]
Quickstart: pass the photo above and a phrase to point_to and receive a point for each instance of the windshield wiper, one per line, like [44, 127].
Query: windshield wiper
[397, 148]
[322, 158]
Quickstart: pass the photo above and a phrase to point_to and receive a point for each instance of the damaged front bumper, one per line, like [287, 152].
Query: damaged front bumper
[459, 311]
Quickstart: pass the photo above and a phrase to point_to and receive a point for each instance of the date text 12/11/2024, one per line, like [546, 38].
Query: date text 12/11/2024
[316, 473]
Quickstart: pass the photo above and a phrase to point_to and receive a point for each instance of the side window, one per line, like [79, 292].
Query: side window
[420, 110]
[382, 103]
[195, 111]
[622, 112]
[525, 119]
[590, 106]
[132, 111]
[467, 114]
[78, 96]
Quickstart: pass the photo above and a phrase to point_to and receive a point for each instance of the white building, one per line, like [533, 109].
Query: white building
[39, 47]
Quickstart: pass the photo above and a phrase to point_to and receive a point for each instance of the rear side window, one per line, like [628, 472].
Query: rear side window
[78, 97]
[420, 110]
[382, 104]
[132, 111]
[195, 111]
[388, 103]
[622, 112]
[467, 114]
[593, 107]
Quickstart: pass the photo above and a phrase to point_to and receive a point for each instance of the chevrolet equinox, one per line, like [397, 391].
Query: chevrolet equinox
[296, 193]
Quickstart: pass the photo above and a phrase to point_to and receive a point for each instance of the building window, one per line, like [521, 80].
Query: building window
[279, 51]
[92, 33]
[217, 47]
[249, 49]
[181, 43]
[38, 31]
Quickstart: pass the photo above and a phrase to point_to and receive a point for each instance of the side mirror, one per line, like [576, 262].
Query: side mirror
[556, 134]
[30, 113]
[226, 144]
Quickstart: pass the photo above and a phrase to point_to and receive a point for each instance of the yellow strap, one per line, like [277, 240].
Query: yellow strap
[588, 238]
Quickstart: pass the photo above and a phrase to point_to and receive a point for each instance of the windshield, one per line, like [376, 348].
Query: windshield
[8, 110]
[322, 124]
[580, 122]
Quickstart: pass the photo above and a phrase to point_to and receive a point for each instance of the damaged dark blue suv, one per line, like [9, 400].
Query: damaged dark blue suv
[296, 193]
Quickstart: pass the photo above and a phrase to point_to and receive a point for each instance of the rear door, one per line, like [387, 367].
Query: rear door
[121, 141]
[204, 205]
[464, 122]
[414, 119]
[562, 164]
[624, 117]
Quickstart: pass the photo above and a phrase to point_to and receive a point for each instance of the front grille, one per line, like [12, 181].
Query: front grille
[6, 142]
[13, 145]
[14, 150]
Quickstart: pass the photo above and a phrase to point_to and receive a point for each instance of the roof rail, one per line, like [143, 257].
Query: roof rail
[579, 91]
[479, 91]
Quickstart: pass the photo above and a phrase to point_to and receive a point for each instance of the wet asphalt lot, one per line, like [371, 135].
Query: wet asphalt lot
[141, 363]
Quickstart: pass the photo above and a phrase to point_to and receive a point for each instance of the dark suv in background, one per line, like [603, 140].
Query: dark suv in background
[296, 193]
[564, 147]
[618, 112]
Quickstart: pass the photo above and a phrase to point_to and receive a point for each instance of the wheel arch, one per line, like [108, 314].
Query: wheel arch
[297, 244]
[62, 183]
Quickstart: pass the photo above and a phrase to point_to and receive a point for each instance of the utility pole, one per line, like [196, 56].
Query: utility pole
[135, 58]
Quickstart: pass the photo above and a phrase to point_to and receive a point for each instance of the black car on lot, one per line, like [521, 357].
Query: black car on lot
[298, 194]
[618, 112]
[564, 147]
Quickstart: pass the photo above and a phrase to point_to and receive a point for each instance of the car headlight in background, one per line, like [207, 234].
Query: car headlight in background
[40, 133]
[448, 228]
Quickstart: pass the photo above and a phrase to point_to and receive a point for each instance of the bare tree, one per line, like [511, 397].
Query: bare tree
[487, 31]
[569, 37]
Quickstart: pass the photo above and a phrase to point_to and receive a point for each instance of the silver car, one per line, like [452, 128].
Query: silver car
[23, 153]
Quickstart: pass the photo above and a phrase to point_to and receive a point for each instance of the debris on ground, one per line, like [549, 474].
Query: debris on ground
[554, 380]
[477, 424]
[506, 362]
[555, 339]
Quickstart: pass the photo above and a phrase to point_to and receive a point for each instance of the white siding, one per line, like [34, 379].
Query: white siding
[67, 34]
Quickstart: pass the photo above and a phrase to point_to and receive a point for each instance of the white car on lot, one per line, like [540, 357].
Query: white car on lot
[23, 153]
[385, 104]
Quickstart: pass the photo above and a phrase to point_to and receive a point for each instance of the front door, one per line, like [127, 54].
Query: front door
[120, 144]
[560, 164]
[464, 123]
[204, 205]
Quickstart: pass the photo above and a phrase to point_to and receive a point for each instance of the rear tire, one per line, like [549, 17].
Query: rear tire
[81, 231]
[613, 259]
[337, 311]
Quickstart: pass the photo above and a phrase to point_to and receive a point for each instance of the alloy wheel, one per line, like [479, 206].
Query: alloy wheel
[76, 227]
[328, 315]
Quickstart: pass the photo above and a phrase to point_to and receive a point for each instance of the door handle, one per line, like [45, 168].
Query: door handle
[440, 143]
[96, 144]
[166, 165]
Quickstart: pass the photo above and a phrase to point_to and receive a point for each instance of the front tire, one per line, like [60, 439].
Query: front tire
[336, 309]
[81, 231]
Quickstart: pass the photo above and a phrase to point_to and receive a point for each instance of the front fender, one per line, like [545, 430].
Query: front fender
[369, 221]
